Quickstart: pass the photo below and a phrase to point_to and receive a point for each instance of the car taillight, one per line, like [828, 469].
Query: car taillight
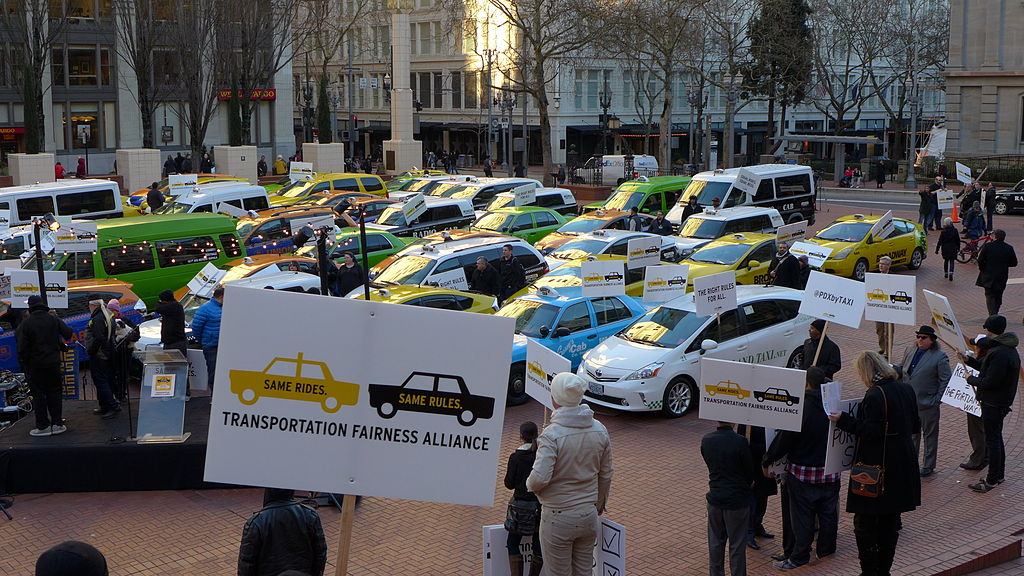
[545, 268]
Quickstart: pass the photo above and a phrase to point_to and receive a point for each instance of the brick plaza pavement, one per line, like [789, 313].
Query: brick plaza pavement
[658, 494]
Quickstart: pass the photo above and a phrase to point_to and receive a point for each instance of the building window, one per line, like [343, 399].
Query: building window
[106, 78]
[57, 67]
[412, 39]
[438, 91]
[456, 90]
[425, 91]
[82, 66]
[85, 126]
[472, 89]
[425, 38]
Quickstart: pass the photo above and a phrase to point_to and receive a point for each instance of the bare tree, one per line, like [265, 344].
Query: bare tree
[28, 33]
[643, 93]
[193, 30]
[139, 28]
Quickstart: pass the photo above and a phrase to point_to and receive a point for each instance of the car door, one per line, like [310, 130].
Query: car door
[771, 331]
[728, 333]
[745, 274]
[898, 245]
[522, 227]
[273, 236]
[578, 319]
[653, 203]
[545, 224]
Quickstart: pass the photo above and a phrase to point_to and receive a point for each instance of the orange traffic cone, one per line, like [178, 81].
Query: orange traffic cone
[956, 216]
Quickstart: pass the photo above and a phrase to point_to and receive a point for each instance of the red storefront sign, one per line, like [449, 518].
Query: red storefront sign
[257, 94]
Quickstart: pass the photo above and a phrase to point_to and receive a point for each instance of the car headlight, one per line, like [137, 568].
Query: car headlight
[649, 371]
[842, 254]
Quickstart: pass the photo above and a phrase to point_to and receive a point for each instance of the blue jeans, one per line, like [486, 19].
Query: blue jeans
[926, 220]
[807, 503]
[210, 354]
[100, 369]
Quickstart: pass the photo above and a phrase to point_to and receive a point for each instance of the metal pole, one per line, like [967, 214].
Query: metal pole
[39, 262]
[366, 257]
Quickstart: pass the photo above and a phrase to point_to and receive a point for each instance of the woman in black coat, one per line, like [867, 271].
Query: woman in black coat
[949, 245]
[884, 425]
[520, 464]
[350, 274]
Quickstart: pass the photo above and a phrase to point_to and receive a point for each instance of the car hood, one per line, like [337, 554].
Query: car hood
[553, 241]
[835, 245]
[675, 215]
[149, 333]
[554, 262]
[623, 355]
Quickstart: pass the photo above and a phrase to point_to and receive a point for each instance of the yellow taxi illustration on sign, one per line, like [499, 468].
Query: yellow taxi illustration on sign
[294, 379]
[537, 371]
[878, 294]
[26, 287]
[657, 282]
[593, 278]
[728, 388]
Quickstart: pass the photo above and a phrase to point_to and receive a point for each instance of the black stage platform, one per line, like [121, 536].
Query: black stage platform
[84, 459]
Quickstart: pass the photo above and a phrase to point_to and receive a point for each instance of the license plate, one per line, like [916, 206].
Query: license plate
[595, 388]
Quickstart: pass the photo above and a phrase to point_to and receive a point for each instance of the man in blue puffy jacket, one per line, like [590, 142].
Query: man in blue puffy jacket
[206, 330]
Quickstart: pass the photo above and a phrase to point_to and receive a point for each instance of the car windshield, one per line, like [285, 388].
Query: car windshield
[582, 225]
[704, 191]
[530, 316]
[173, 208]
[492, 221]
[664, 327]
[392, 216]
[720, 254]
[464, 192]
[580, 248]
[420, 186]
[407, 269]
[845, 232]
[696, 227]
[624, 199]
[295, 189]
[244, 227]
[446, 189]
[191, 303]
[500, 201]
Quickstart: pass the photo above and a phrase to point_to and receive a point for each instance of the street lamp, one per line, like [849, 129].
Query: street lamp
[387, 87]
[334, 95]
[914, 98]
[506, 102]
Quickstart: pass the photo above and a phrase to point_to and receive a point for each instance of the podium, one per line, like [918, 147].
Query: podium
[162, 397]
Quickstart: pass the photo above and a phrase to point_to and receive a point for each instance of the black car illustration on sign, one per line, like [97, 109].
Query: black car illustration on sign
[652, 250]
[900, 296]
[54, 287]
[613, 276]
[776, 395]
[431, 393]
[678, 280]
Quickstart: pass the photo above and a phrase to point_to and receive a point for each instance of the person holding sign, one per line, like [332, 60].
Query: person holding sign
[828, 357]
[784, 268]
[885, 480]
[812, 495]
[571, 477]
[996, 385]
[884, 330]
[99, 344]
[730, 474]
[485, 278]
[520, 464]
[926, 369]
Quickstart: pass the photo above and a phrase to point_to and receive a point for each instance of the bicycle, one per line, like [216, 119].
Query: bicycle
[969, 249]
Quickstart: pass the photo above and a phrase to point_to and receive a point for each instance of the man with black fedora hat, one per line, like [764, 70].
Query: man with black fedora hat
[926, 369]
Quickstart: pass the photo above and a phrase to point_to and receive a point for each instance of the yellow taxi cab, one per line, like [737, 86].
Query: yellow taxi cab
[569, 274]
[294, 379]
[748, 254]
[300, 192]
[585, 224]
[855, 250]
[434, 297]
[727, 388]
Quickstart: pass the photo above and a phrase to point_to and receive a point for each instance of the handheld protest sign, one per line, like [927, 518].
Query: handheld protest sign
[414, 207]
[963, 173]
[791, 233]
[203, 283]
[452, 279]
[890, 298]
[833, 299]
[883, 227]
[643, 251]
[542, 364]
[839, 451]
[715, 293]
[231, 210]
[603, 277]
[25, 283]
[178, 184]
[946, 199]
[959, 394]
[944, 320]
[753, 394]
[525, 195]
[664, 283]
[747, 182]
[76, 237]
[815, 253]
[298, 171]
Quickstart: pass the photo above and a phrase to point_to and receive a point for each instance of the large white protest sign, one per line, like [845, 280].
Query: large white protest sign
[414, 207]
[746, 181]
[452, 279]
[890, 298]
[77, 237]
[203, 283]
[178, 184]
[839, 300]
[231, 210]
[609, 551]
[963, 173]
[525, 195]
[715, 293]
[5, 287]
[754, 394]
[313, 221]
[883, 226]
[603, 277]
[946, 198]
[791, 232]
[945, 320]
[197, 379]
[298, 171]
[664, 283]
[643, 251]
[5, 220]
[959, 394]
[542, 363]
[839, 452]
[25, 283]
[815, 253]
[384, 417]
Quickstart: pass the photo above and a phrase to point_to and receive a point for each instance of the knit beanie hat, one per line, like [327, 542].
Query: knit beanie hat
[995, 324]
[567, 389]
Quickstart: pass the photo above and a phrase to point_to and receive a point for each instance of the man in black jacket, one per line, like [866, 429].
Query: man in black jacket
[485, 278]
[154, 198]
[284, 535]
[39, 339]
[730, 473]
[994, 262]
[172, 322]
[99, 344]
[659, 225]
[813, 495]
[785, 269]
[996, 385]
[829, 360]
[513, 276]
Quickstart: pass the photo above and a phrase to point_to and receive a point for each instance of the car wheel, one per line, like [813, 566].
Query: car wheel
[794, 218]
[916, 259]
[330, 404]
[248, 397]
[860, 269]
[796, 359]
[679, 397]
[467, 417]
[386, 410]
[1001, 207]
[517, 385]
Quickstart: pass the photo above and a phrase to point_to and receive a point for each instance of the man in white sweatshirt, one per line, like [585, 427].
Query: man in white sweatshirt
[571, 477]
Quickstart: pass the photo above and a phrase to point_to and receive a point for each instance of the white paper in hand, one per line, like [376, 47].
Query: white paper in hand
[831, 396]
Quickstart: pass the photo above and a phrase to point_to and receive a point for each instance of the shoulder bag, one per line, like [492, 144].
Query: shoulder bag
[869, 480]
[523, 516]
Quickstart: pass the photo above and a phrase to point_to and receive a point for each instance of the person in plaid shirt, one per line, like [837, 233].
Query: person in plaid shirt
[812, 494]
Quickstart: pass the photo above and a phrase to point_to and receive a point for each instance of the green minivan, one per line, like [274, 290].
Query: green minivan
[647, 195]
[153, 253]
[531, 223]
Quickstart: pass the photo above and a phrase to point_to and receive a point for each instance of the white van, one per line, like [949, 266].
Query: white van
[206, 198]
[613, 168]
[789, 188]
[79, 199]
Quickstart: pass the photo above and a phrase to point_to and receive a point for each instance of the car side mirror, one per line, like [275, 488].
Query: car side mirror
[707, 345]
[753, 264]
[544, 331]
[559, 332]
[140, 306]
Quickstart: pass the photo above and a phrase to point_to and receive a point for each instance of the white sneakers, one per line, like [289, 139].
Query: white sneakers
[51, 431]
